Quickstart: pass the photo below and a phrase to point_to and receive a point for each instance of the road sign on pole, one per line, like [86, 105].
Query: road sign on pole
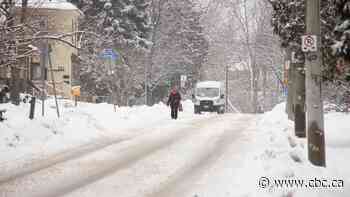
[309, 43]
[109, 53]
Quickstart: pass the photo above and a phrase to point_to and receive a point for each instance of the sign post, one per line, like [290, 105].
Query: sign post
[109, 54]
[112, 56]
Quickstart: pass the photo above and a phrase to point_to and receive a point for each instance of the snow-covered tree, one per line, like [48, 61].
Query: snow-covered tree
[342, 38]
[180, 46]
[289, 24]
[122, 20]
[342, 29]
[121, 25]
[240, 37]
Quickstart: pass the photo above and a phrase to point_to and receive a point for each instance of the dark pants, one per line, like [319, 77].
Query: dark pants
[174, 110]
[2, 96]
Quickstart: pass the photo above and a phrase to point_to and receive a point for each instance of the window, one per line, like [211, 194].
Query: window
[207, 92]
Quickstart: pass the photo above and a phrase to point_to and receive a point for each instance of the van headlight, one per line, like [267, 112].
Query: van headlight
[217, 101]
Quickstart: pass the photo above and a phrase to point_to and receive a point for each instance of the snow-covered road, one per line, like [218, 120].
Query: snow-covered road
[165, 160]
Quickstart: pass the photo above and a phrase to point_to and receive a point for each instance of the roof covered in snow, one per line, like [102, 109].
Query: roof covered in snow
[209, 84]
[49, 4]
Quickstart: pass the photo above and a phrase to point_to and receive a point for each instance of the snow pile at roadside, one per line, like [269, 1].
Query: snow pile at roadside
[22, 139]
[283, 156]
[131, 117]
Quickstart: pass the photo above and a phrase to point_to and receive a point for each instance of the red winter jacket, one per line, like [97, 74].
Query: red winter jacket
[174, 99]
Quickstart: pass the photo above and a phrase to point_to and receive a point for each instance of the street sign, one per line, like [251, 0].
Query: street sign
[309, 43]
[285, 91]
[109, 53]
[167, 82]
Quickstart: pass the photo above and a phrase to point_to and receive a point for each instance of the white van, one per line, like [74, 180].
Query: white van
[209, 96]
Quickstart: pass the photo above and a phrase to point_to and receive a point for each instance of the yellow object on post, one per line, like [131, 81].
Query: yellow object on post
[285, 74]
[75, 91]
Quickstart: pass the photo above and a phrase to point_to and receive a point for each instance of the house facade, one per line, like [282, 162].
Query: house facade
[58, 18]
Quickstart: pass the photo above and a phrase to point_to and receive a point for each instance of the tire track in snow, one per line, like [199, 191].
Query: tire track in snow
[179, 184]
[60, 157]
[157, 173]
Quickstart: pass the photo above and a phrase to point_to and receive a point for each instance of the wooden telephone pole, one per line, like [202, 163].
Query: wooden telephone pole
[315, 121]
[226, 88]
[290, 83]
[299, 97]
[44, 51]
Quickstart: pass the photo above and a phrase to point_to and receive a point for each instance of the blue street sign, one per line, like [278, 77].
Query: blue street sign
[285, 91]
[109, 53]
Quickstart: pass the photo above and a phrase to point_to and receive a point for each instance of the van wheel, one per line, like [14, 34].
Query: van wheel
[221, 110]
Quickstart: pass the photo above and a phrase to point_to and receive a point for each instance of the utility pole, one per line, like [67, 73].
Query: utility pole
[290, 83]
[54, 83]
[226, 88]
[315, 121]
[146, 85]
[299, 97]
[43, 62]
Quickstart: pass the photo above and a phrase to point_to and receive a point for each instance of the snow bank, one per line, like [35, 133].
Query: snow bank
[283, 156]
[338, 130]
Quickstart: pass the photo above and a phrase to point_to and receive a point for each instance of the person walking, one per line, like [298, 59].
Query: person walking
[174, 101]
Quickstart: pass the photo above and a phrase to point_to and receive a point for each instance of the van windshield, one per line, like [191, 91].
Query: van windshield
[207, 92]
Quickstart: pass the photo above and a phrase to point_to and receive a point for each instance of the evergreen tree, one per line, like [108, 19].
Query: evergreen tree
[122, 20]
[122, 25]
[289, 23]
[342, 29]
